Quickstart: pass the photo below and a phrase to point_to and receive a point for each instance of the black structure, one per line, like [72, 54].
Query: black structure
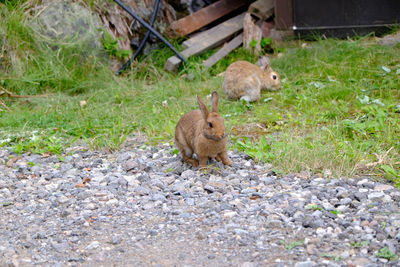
[341, 18]
[150, 29]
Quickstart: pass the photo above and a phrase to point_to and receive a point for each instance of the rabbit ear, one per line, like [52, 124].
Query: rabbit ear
[203, 108]
[214, 102]
[263, 62]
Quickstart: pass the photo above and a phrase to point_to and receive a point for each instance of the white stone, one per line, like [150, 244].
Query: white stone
[376, 195]
[229, 214]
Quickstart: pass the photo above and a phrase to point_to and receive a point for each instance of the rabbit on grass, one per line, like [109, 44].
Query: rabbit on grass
[244, 80]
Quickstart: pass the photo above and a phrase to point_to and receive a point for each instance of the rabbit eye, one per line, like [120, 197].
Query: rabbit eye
[274, 77]
[210, 124]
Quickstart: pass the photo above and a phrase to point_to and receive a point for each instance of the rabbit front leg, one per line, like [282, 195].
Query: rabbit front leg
[223, 156]
[203, 160]
[191, 161]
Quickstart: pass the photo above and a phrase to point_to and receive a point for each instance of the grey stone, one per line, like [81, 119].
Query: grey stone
[158, 197]
[188, 174]
[130, 165]
[140, 190]
[116, 240]
[376, 195]
[93, 245]
[123, 157]
[310, 221]
[305, 264]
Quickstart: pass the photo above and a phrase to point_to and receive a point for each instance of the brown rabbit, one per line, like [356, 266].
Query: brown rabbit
[245, 81]
[203, 133]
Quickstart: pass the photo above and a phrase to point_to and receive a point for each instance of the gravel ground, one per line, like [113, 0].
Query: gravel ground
[142, 206]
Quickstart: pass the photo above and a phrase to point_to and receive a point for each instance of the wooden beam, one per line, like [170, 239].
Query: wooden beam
[236, 22]
[262, 9]
[203, 17]
[224, 51]
[207, 40]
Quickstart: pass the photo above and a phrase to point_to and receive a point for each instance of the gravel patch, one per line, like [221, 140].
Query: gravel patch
[142, 206]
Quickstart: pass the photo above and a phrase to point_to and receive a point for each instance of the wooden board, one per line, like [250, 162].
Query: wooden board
[262, 9]
[224, 51]
[203, 17]
[235, 22]
[208, 40]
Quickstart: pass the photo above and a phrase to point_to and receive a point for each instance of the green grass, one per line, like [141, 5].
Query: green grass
[338, 110]
[292, 245]
[385, 253]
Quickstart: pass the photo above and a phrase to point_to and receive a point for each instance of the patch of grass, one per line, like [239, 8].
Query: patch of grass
[335, 212]
[385, 253]
[292, 245]
[36, 143]
[313, 207]
[332, 257]
[112, 48]
[338, 110]
[360, 244]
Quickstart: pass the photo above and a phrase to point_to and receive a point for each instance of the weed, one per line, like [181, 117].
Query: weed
[391, 174]
[360, 244]
[332, 257]
[293, 244]
[385, 253]
[335, 212]
[260, 151]
[112, 48]
[174, 151]
[313, 207]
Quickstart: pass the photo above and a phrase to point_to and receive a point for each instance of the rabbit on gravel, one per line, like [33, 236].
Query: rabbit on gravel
[244, 80]
[202, 132]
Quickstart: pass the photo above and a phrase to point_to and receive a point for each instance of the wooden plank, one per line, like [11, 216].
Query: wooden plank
[236, 21]
[262, 9]
[224, 51]
[203, 17]
[209, 40]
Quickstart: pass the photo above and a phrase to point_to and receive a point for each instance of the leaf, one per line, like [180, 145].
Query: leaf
[255, 197]
[386, 69]
[82, 103]
[79, 185]
[331, 79]
[318, 85]
[6, 203]
[364, 100]
[386, 254]
[390, 171]
[378, 102]
[253, 43]
[398, 71]
[265, 41]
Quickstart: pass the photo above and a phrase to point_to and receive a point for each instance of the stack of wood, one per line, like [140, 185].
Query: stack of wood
[236, 30]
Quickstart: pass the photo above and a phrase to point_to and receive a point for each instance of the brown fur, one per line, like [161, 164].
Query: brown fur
[244, 80]
[193, 135]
